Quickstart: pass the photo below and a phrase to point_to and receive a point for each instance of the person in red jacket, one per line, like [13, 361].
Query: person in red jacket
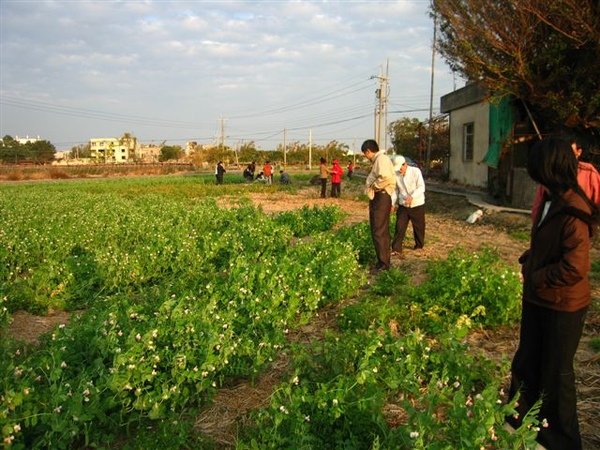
[556, 297]
[336, 178]
[587, 177]
[268, 172]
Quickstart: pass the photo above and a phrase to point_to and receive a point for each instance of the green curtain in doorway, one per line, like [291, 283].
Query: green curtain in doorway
[501, 122]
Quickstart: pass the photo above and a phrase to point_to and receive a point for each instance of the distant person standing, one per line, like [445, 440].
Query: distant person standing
[350, 170]
[268, 172]
[336, 179]
[220, 172]
[380, 185]
[323, 175]
[410, 202]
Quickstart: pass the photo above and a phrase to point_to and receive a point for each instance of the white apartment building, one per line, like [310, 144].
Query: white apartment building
[113, 150]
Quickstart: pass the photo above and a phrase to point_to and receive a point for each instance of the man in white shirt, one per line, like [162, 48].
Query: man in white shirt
[409, 199]
[380, 185]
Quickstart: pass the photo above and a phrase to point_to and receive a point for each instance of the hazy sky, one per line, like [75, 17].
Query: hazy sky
[177, 70]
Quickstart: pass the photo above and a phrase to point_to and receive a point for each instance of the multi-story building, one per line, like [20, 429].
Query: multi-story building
[113, 150]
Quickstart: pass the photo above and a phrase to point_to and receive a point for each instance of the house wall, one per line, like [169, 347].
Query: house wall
[475, 172]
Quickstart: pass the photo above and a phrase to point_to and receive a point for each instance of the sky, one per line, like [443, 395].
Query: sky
[178, 71]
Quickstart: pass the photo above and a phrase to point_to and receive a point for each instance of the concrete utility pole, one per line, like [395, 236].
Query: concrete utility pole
[284, 146]
[310, 149]
[430, 128]
[222, 135]
[381, 94]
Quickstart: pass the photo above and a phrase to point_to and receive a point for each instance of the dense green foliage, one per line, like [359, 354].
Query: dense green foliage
[174, 296]
[37, 151]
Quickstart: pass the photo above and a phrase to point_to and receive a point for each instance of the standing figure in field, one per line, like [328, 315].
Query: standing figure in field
[220, 172]
[556, 296]
[587, 177]
[350, 170]
[410, 203]
[268, 172]
[336, 179]
[380, 185]
[323, 175]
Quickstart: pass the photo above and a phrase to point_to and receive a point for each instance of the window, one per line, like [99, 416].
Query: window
[468, 141]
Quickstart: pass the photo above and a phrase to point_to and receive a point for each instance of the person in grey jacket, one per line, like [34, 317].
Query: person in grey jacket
[556, 297]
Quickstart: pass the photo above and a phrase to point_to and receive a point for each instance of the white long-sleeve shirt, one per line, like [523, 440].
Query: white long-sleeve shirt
[411, 184]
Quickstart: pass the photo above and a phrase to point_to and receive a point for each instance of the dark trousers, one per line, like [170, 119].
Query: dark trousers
[414, 215]
[543, 368]
[335, 189]
[323, 187]
[379, 219]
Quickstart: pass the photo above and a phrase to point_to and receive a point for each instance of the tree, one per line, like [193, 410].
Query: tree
[40, 151]
[170, 152]
[410, 136]
[544, 53]
[81, 151]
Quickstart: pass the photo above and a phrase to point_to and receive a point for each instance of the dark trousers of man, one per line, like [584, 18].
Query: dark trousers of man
[323, 187]
[379, 219]
[414, 215]
[335, 189]
[543, 368]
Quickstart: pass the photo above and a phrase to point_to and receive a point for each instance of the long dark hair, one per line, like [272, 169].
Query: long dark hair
[552, 164]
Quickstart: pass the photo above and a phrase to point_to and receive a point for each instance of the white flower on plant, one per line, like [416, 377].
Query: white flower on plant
[58, 409]
[414, 434]
[545, 423]
[334, 402]
[283, 409]
[17, 428]
[63, 365]
[154, 333]
[456, 384]
[375, 370]
[138, 337]
[8, 439]
[307, 418]
[296, 380]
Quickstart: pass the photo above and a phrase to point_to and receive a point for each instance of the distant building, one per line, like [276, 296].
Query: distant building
[113, 150]
[148, 153]
[27, 139]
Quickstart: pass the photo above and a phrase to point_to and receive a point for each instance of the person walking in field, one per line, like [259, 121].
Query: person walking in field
[268, 172]
[556, 297]
[220, 172]
[336, 179]
[323, 175]
[380, 185]
[409, 201]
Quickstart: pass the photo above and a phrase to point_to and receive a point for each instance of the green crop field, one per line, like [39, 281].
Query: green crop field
[173, 297]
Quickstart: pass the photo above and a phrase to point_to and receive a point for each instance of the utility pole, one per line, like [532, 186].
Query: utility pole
[381, 94]
[284, 147]
[310, 149]
[222, 135]
[430, 128]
